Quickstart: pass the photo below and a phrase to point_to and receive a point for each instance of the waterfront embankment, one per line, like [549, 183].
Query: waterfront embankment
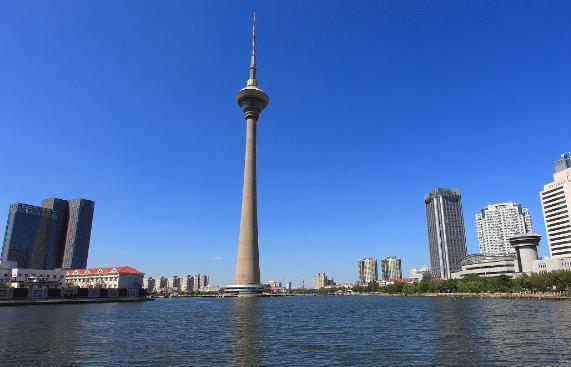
[539, 296]
[57, 301]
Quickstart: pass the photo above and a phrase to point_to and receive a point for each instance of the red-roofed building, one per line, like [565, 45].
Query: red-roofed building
[112, 277]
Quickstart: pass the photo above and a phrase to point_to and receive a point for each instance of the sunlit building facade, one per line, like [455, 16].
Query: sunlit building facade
[446, 236]
[556, 206]
[367, 270]
[496, 223]
[391, 268]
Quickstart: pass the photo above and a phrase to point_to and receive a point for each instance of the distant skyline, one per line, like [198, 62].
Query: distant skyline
[373, 105]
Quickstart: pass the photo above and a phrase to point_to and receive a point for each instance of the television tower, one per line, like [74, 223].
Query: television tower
[252, 100]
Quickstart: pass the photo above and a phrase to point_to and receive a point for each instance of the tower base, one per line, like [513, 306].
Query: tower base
[244, 290]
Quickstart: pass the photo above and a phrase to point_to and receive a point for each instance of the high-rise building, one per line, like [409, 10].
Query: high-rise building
[201, 281]
[320, 280]
[252, 100]
[495, 223]
[187, 283]
[556, 206]
[367, 270]
[78, 234]
[60, 208]
[161, 284]
[173, 282]
[30, 237]
[446, 236]
[391, 268]
[149, 284]
[55, 235]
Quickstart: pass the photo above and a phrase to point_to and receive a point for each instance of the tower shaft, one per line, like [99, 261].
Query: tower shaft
[247, 261]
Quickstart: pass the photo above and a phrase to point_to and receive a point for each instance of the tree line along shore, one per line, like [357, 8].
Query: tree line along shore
[552, 283]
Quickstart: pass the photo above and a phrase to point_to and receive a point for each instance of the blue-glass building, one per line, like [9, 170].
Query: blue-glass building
[30, 237]
[55, 235]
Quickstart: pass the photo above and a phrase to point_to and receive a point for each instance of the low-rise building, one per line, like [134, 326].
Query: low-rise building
[419, 274]
[486, 265]
[551, 264]
[275, 284]
[21, 278]
[111, 277]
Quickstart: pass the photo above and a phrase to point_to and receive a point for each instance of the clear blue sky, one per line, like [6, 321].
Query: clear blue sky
[372, 104]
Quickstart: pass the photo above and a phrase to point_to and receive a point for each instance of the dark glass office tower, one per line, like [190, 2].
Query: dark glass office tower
[446, 236]
[61, 209]
[30, 237]
[55, 235]
[78, 234]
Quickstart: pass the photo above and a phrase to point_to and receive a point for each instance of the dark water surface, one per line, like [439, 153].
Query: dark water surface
[290, 331]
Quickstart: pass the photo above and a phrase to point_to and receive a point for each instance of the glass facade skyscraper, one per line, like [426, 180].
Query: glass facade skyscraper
[61, 209]
[55, 235]
[30, 237]
[446, 236]
[78, 234]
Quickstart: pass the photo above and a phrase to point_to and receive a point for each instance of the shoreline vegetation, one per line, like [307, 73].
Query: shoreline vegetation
[552, 285]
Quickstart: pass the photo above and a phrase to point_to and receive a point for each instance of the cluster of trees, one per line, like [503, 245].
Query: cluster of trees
[314, 291]
[555, 281]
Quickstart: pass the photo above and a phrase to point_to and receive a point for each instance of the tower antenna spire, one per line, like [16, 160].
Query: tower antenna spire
[252, 80]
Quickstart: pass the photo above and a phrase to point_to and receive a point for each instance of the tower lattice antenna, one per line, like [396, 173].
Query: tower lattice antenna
[252, 80]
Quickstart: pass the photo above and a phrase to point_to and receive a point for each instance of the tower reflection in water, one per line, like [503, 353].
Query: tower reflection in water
[245, 331]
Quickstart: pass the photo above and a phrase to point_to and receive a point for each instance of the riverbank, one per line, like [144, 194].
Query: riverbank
[57, 301]
[538, 296]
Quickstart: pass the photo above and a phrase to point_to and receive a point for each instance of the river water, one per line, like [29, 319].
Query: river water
[290, 331]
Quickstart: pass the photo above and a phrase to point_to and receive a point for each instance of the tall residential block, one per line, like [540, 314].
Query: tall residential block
[556, 206]
[30, 237]
[496, 223]
[320, 280]
[446, 236]
[187, 283]
[391, 268]
[55, 235]
[201, 281]
[149, 284]
[173, 282]
[367, 270]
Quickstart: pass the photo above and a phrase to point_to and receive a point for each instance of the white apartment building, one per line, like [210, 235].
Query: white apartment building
[495, 223]
[112, 277]
[556, 206]
[367, 270]
[391, 268]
